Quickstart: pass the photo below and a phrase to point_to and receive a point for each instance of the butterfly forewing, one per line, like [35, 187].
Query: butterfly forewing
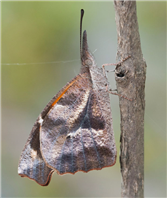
[31, 163]
[61, 124]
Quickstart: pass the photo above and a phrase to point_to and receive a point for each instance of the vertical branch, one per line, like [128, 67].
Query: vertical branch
[130, 78]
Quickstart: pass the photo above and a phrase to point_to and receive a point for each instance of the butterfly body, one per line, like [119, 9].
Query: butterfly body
[74, 131]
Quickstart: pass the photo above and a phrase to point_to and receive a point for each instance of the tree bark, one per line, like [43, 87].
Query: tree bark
[130, 79]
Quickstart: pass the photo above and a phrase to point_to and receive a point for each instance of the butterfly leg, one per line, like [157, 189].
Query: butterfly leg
[111, 92]
[107, 64]
[115, 64]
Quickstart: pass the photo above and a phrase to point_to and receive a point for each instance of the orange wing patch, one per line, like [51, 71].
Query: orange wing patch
[64, 91]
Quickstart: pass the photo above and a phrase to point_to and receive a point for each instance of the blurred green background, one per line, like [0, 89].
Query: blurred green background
[40, 43]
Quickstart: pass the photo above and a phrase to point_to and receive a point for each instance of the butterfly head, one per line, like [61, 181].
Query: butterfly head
[87, 58]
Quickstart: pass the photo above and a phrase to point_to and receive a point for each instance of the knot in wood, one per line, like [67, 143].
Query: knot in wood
[123, 75]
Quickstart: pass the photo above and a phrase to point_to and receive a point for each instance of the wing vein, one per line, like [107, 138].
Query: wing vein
[83, 149]
[98, 158]
[72, 155]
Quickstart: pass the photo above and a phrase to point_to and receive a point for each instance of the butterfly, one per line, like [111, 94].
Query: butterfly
[74, 132]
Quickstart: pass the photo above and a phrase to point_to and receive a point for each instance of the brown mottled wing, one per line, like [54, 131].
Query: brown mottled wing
[31, 162]
[75, 135]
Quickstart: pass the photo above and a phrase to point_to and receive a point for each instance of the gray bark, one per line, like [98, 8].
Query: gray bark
[130, 79]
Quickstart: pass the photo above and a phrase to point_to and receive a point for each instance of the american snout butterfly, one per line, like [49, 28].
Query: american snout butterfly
[74, 132]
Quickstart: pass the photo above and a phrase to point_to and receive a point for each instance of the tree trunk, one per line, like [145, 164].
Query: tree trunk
[130, 79]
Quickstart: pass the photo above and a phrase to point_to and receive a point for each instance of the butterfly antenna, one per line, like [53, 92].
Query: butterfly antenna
[82, 14]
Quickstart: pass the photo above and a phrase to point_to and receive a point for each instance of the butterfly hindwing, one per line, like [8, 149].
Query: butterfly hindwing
[106, 140]
[74, 134]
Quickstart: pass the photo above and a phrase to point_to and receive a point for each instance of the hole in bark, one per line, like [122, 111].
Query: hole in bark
[121, 74]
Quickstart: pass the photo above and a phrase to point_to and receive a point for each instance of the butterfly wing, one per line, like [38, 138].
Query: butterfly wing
[31, 163]
[74, 134]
